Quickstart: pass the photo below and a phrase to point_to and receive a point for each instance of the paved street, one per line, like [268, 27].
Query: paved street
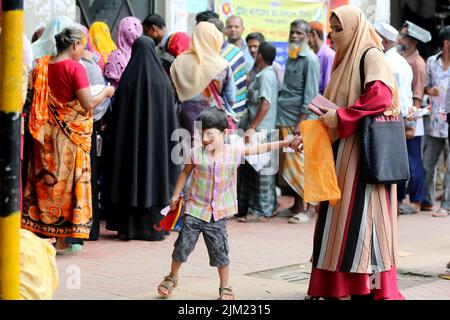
[268, 261]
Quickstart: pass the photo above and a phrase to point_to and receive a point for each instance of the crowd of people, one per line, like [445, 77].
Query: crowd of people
[102, 119]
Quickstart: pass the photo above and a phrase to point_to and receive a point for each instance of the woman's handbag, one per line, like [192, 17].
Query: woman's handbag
[384, 155]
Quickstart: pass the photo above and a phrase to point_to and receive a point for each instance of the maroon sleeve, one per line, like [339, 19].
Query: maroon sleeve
[374, 101]
[80, 77]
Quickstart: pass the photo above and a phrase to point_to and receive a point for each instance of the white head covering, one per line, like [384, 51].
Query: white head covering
[387, 31]
[418, 33]
[46, 45]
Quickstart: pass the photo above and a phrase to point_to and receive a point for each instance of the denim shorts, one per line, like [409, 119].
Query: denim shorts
[214, 234]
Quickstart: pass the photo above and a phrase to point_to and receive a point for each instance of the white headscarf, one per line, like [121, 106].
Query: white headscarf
[46, 45]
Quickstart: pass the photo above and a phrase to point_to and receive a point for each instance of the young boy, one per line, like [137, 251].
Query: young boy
[212, 198]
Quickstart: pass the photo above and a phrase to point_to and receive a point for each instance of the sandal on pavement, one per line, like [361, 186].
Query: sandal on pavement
[426, 207]
[299, 218]
[406, 209]
[262, 219]
[445, 275]
[73, 248]
[226, 294]
[248, 218]
[441, 213]
[169, 283]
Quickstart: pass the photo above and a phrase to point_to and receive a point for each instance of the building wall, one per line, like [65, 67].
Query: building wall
[375, 10]
[39, 12]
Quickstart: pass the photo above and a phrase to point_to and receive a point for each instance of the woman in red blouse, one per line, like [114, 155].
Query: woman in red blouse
[57, 196]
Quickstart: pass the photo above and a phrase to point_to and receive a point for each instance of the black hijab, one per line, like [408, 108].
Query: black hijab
[142, 173]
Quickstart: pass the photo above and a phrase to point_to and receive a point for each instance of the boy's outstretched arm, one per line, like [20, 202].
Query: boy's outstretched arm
[267, 147]
[181, 182]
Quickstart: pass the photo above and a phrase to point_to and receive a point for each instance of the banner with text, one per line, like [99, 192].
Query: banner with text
[272, 18]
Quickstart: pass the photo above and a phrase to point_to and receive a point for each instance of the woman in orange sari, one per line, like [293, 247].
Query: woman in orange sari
[57, 196]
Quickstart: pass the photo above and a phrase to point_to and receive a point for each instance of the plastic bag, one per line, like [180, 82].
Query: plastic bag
[320, 175]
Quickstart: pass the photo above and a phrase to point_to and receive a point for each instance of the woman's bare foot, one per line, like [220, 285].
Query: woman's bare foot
[61, 244]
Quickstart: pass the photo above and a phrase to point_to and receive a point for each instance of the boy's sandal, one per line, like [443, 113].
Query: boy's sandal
[226, 292]
[169, 283]
[441, 213]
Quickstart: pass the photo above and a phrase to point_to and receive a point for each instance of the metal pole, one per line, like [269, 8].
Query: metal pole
[10, 120]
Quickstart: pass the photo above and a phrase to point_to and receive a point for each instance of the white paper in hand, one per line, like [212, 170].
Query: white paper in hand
[165, 211]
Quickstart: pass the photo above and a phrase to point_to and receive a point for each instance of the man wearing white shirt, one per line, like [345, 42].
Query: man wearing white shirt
[399, 66]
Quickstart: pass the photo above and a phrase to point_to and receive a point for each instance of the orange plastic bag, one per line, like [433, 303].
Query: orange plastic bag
[320, 175]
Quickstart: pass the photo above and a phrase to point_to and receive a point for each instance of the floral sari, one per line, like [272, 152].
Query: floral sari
[57, 195]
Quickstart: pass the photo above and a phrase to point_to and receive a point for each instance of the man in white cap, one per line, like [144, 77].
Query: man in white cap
[410, 36]
[399, 66]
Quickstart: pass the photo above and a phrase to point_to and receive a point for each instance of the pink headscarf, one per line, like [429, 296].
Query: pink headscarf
[129, 29]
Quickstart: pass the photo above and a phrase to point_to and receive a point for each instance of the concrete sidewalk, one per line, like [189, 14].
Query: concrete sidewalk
[268, 261]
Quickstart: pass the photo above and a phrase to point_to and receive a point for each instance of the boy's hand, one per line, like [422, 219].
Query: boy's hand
[297, 144]
[173, 202]
[248, 135]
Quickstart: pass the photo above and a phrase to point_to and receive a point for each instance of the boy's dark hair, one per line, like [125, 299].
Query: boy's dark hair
[300, 23]
[444, 34]
[205, 16]
[255, 36]
[268, 52]
[154, 20]
[218, 23]
[213, 118]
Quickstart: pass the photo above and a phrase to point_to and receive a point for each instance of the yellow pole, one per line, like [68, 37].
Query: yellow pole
[10, 120]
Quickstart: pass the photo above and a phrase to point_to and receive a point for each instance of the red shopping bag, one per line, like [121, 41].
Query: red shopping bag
[172, 220]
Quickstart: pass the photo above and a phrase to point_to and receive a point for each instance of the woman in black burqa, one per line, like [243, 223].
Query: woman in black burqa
[141, 172]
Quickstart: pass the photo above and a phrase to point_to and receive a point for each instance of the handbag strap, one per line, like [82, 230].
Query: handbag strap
[213, 89]
[362, 73]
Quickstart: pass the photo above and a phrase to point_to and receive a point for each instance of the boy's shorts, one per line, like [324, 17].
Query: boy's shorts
[214, 234]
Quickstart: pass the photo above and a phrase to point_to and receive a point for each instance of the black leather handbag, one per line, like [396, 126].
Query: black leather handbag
[384, 156]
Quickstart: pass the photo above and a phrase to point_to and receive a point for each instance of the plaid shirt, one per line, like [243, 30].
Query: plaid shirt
[213, 190]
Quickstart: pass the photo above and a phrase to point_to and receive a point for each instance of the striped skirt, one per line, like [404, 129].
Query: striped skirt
[359, 234]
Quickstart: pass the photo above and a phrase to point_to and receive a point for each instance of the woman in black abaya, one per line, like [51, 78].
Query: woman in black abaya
[141, 173]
